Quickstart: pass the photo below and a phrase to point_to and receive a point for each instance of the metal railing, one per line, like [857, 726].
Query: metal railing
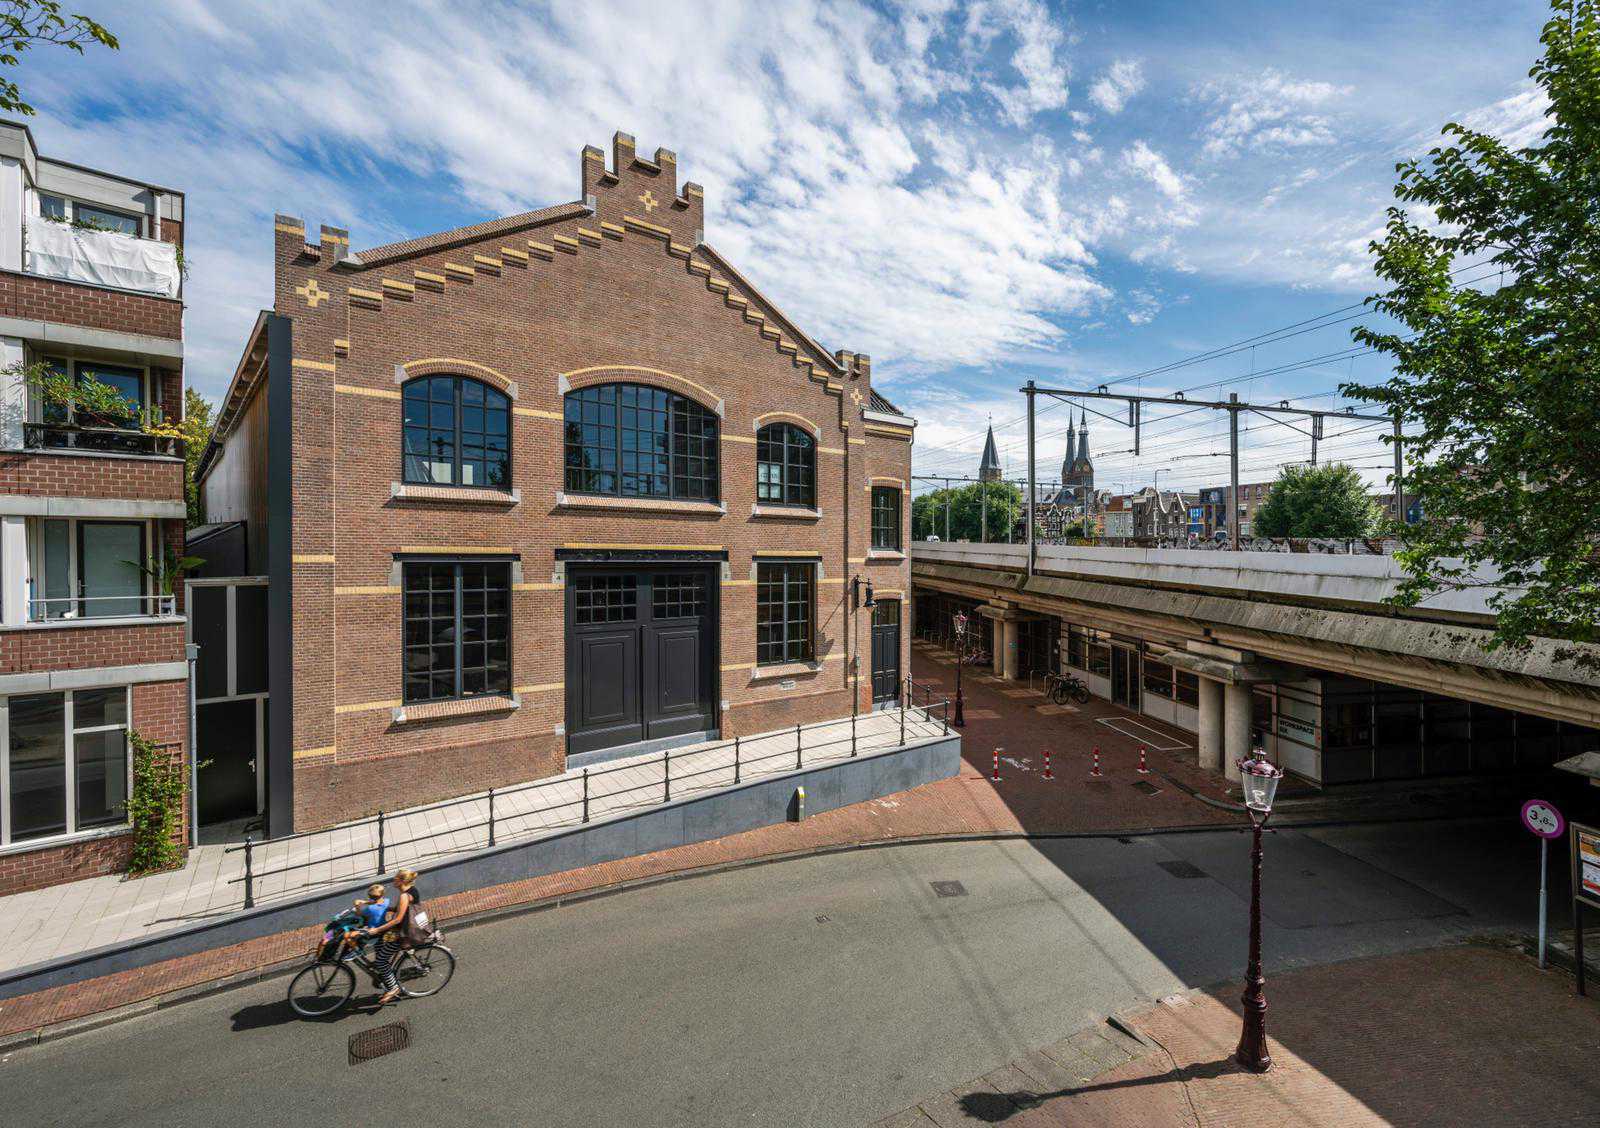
[104, 440]
[576, 811]
[60, 607]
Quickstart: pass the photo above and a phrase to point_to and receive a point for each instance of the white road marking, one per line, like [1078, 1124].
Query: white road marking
[1116, 723]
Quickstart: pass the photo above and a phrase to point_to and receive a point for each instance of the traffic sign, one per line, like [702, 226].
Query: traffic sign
[1543, 819]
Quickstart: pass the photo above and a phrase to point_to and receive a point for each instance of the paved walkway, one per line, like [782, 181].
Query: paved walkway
[49, 923]
[1468, 1035]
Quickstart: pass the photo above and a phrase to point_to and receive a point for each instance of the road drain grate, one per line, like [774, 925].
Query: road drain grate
[949, 888]
[378, 1041]
[1183, 869]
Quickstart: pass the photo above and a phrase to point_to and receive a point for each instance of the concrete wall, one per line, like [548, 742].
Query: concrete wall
[695, 819]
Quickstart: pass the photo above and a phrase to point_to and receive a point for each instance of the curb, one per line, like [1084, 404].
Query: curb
[196, 991]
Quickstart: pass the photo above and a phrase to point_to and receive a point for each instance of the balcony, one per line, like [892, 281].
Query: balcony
[101, 440]
[90, 608]
[101, 258]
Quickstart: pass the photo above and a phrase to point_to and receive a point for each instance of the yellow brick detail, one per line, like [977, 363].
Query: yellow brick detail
[314, 365]
[375, 393]
[312, 558]
[462, 548]
[485, 260]
[427, 276]
[365, 295]
[565, 243]
[644, 225]
[544, 249]
[397, 285]
[457, 268]
[614, 229]
[513, 253]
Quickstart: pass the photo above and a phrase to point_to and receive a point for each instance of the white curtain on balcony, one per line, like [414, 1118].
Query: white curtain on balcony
[104, 258]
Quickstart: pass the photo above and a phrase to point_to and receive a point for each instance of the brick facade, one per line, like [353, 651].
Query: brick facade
[546, 302]
[79, 303]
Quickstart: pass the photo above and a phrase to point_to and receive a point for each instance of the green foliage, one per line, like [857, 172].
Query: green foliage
[967, 506]
[155, 808]
[85, 400]
[24, 23]
[168, 569]
[1501, 385]
[1317, 501]
[198, 423]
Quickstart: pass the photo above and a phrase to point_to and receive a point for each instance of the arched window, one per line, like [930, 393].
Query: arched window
[786, 465]
[457, 433]
[630, 440]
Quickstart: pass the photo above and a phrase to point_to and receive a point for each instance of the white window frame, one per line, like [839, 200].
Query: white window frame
[70, 205]
[70, 767]
[36, 565]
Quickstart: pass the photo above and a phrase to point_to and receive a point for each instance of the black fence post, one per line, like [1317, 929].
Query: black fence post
[249, 875]
[666, 777]
[799, 749]
[382, 868]
[736, 759]
[585, 794]
[852, 734]
[945, 720]
[491, 816]
[902, 721]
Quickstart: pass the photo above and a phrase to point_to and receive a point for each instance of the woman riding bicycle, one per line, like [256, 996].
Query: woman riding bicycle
[392, 934]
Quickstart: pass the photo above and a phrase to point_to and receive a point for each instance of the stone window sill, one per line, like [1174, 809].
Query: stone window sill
[786, 512]
[466, 707]
[106, 621]
[785, 670]
[885, 554]
[411, 491]
[65, 839]
[639, 504]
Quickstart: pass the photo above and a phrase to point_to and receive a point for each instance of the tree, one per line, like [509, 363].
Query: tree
[967, 505]
[1317, 501]
[25, 23]
[196, 429]
[1501, 385]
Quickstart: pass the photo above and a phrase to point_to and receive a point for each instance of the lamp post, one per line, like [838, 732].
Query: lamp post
[961, 646]
[1259, 778]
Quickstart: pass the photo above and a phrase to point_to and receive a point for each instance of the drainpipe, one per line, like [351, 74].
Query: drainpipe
[192, 652]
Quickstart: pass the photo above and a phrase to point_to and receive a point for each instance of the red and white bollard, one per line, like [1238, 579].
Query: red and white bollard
[1144, 769]
[1094, 771]
[996, 776]
[1047, 774]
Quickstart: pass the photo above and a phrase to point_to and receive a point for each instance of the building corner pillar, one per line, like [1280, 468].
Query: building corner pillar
[1237, 721]
[1008, 649]
[1209, 737]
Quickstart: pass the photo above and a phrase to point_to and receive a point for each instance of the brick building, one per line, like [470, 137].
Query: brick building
[90, 647]
[545, 489]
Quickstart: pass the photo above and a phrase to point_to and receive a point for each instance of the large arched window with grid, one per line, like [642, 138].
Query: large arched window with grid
[786, 466]
[457, 432]
[632, 440]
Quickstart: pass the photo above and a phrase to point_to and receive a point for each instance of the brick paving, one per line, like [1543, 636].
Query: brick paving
[1465, 1035]
[1022, 802]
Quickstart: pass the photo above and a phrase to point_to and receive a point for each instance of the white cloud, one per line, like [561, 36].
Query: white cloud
[1518, 120]
[1269, 110]
[1038, 58]
[1122, 81]
[1146, 162]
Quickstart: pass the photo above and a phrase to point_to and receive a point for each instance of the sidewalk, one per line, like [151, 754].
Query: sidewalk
[1469, 1035]
[49, 923]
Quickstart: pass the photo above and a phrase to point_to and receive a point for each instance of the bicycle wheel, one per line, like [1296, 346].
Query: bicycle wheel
[1058, 693]
[1080, 693]
[424, 970]
[321, 989]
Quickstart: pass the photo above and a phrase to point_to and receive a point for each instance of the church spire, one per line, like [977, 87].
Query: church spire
[989, 467]
[1072, 453]
[1083, 440]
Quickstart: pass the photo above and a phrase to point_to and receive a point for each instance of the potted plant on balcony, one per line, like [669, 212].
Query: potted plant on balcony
[165, 571]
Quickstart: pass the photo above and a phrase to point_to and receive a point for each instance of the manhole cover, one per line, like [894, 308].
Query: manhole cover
[1180, 868]
[822, 920]
[378, 1041]
[1146, 786]
[949, 888]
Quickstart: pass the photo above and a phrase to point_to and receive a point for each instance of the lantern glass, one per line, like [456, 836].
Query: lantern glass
[871, 600]
[1259, 778]
[961, 623]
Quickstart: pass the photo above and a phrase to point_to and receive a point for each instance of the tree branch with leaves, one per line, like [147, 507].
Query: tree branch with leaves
[25, 24]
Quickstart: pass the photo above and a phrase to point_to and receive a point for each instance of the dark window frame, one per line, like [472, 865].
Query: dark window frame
[458, 431]
[491, 570]
[611, 449]
[787, 587]
[884, 538]
[791, 451]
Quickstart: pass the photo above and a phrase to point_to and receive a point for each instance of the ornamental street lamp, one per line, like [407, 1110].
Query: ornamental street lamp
[1259, 777]
[961, 646]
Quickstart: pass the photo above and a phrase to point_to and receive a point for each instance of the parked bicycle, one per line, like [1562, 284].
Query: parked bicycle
[1060, 687]
[329, 981]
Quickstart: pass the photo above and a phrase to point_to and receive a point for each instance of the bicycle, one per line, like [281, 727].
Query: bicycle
[328, 982]
[1059, 687]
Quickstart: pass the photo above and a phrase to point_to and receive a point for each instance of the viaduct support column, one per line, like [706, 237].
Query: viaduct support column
[1008, 649]
[1237, 719]
[1210, 735]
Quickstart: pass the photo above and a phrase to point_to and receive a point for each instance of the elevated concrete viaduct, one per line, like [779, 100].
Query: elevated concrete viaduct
[1298, 651]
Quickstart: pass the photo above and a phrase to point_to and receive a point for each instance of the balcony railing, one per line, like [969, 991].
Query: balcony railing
[106, 440]
[89, 607]
[102, 258]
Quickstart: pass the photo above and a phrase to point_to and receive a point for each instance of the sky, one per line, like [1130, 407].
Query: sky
[974, 193]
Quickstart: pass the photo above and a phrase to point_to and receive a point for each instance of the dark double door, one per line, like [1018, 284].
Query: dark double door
[641, 655]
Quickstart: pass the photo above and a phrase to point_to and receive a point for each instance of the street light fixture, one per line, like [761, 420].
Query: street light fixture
[1259, 777]
[960, 622]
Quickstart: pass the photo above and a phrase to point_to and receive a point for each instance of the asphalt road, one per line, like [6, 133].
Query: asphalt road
[824, 991]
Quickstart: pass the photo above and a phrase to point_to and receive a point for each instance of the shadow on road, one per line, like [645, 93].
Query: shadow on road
[262, 1016]
[997, 1108]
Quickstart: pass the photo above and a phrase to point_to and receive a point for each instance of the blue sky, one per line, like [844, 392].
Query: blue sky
[974, 193]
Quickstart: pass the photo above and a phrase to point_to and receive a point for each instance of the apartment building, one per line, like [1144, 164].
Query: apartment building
[549, 489]
[91, 645]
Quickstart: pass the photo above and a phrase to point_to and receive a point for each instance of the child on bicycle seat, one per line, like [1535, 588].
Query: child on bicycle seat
[371, 911]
